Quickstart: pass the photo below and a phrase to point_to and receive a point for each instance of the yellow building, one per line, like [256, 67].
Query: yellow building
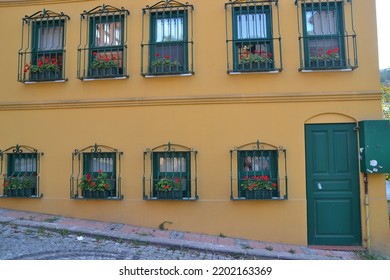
[232, 117]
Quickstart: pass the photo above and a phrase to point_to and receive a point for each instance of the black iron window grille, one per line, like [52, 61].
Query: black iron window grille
[167, 39]
[20, 166]
[102, 52]
[327, 37]
[42, 54]
[96, 173]
[258, 171]
[170, 172]
[253, 40]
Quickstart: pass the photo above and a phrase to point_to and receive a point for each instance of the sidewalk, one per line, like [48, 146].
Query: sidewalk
[177, 239]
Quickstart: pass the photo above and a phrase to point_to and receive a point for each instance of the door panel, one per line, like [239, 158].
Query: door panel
[332, 185]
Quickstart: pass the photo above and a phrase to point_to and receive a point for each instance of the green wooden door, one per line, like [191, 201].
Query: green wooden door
[332, 185]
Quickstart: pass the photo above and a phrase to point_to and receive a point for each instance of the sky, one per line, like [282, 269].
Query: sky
[383, 19]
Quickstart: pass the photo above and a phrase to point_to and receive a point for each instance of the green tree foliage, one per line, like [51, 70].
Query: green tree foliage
[385, 76]
[386, 109]
[386, 102]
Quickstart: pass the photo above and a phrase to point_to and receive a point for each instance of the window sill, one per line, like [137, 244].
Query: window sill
[172, 199]
[303, 70]
[98, 198]
[41, 82]
[21, 197]
[233, 72]
[86, 79]
[245, 199]
[187, 74]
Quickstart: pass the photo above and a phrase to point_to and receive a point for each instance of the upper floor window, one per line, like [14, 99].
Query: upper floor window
[42, 56]
[102, 52]
[251, 44]
[21, 171]
[170, 47]
[328, 39]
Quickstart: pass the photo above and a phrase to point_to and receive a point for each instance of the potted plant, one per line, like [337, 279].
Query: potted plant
[256, 60]
[7, 186]
[258, 187]
[167, 188]
[45, 69]
[98, 187]
[164, 65]
[329, 59]
[18, 186]
[103, 65]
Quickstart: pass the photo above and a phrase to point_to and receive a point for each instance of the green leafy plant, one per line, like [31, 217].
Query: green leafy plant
[101, 61]
[329, 55]
[254, 57]
[100, 183]
[167, 185]
[17, 183]
[45, 64]
[164, 61]
[254, 183]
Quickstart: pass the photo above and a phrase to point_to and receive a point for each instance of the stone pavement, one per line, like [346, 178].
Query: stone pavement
[177, 245]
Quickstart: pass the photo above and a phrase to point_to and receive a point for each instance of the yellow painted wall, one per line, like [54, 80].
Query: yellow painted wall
[210, 111]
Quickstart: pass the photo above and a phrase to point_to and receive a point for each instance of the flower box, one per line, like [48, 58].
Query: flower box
[259, 194]
[256, 66]
[321, 64]
[18, 193]
[102, 73]
[44, 76]
[170, 194]
[167, 69]
[95, 194]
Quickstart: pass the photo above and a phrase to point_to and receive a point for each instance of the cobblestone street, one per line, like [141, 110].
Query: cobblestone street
[24, 243]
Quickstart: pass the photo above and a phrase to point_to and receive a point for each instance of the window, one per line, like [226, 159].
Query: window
[169, 49]
[44, 58]
[172, 173]
[96, 174]
[21, 176]
[106, 49]
[258, 172]
[326, 42]
[253, 46]
[104, 56]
